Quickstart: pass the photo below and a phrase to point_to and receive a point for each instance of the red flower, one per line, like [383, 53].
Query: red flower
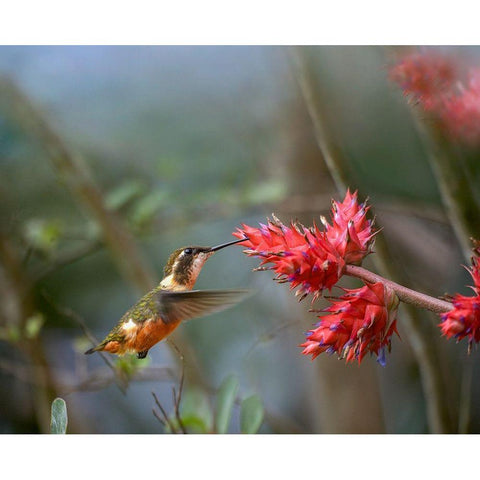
[350, 233]
[432, 81]
[424, 77]
[361, 321]
[307, 257]
[461, 113]
[464, 319]
[304, 257]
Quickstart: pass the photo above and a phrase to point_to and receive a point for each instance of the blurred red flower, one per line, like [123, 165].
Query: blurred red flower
[433, 81]
[361, 321]
[461, 113]
[425, 77]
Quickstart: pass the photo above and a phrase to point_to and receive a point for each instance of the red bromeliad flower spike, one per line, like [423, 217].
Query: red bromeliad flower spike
[361, 321]
[309, 258]
[304, 257]
[464, 319]
[351, 233]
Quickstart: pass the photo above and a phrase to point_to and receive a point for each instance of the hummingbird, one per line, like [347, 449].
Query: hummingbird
[158, 313]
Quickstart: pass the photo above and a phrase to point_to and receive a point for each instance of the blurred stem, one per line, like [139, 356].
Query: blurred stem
[437, 411]
[456, 191]
[464, 407]
[18, 307]
[405, 294]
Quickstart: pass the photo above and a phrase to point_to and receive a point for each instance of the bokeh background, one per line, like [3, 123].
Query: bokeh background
[179, 146]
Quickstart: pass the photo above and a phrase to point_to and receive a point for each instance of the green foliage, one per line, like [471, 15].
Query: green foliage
[195, 412]
[251, 414]
[129, 364]
[34, 325]
[42, 234]
[11, 333]
[225, 400]
[147, 207]
[59, 419]
[125, 193]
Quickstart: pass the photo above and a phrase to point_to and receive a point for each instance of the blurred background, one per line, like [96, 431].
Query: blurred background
[112, 157]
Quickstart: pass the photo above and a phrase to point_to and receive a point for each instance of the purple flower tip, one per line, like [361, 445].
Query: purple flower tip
[381, 359]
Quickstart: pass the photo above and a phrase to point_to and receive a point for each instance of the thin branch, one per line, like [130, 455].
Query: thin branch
[67, 258]
[69, 313]
[178, 398]
[405, 294]
[165, 420]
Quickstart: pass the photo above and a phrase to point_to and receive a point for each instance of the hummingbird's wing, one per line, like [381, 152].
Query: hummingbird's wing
[185, 305]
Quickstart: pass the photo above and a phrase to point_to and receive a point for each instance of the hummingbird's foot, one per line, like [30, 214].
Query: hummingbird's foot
[142, 354]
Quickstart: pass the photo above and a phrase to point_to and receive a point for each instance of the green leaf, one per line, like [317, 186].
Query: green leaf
[147, 207]
[251, 414]
[13, 333]
[130, 364]
[195, 410]
[33, 325]
[43, 234]
[124, 194]
[59, 420]
[194, 424]
[225, 399]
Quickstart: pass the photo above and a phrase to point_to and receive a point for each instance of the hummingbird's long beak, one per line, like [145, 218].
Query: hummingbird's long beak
[223, 245]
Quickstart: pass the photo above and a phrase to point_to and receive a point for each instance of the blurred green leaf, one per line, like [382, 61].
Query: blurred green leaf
[267, 192]
[129, 364]
[43, 234]
[34, 325]
[59, 419]
[13, 333]
[147, 207]
[195, 424]
[225, 400]
[124, 194]
[251, 414]
[195, 410]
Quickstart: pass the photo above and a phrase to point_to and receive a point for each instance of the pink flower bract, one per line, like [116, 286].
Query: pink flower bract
[309, 258]
[463, 321]
[361, 321]
[304, 257]
[351, 233]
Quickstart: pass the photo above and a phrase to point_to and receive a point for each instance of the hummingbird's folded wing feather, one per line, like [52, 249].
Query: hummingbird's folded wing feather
[185, 305]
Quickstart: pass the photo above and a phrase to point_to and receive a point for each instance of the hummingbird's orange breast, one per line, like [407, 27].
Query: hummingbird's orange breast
[140, 337]
[151, 332]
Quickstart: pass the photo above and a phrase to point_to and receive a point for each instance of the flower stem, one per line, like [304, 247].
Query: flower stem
[405, 294]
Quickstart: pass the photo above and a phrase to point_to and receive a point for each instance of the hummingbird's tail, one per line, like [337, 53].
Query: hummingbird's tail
[93, 350]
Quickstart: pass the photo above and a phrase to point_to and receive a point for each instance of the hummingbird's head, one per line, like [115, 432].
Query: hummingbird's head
[185, 264]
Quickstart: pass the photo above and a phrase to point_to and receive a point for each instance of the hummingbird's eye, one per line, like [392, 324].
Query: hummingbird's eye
[188, 251]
